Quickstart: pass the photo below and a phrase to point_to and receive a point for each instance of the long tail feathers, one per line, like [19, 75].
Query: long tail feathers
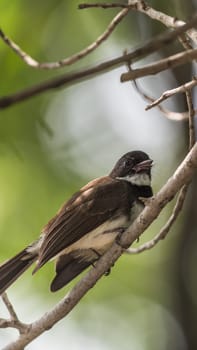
[13, 268]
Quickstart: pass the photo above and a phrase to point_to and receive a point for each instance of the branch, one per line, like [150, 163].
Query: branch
[143, 7]
[182, 176]
[9, 306]
[76, 77]
[182, 194]
[176, 116]
[191, 110]
[168, 21]
[72, 59]
[13, 322]
[149, 48]
[161, 65]
[169, 93]
[103, 5]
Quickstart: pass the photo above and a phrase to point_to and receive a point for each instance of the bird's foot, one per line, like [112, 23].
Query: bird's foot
[107, 273]
[119, 235]
[145, 200]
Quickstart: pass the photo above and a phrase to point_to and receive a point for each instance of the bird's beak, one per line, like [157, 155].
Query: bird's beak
[145, 165]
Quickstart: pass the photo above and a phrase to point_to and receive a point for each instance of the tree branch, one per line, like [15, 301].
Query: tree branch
[168, 21]
[72, 59]
[182, 194]
[103, 5]
[143, 7]
[169, 93]
[76, 77]
[161, 65]
[13, 322]
[181, 177]
[191, 110]
[176, 116]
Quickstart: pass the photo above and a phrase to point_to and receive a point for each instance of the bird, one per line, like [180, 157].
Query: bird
[88, 223]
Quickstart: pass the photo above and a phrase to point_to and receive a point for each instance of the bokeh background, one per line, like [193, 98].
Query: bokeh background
[53, 144]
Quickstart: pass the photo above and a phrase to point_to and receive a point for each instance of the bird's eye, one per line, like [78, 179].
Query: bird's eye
[128, 162]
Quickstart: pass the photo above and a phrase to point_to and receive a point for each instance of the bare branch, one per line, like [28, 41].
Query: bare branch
[13, 322]
[185, 41]
[182, 195]
[143, 7]
[9, 306]
[103, 5]
[168, 21]
[177, 116]
[191, 110]
[72, 59]
[149, 47]
[181, 177]
[76, 77]
[161, 65]
[169, 93]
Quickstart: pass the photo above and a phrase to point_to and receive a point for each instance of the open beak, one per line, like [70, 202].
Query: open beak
[145, 165]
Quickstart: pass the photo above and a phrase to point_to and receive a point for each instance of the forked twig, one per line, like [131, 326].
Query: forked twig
[169, 93]
[14, 321]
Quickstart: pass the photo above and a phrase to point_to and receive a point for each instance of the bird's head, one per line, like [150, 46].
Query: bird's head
[134, 167]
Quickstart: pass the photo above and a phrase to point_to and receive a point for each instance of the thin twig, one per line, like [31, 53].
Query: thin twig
[169, 93]
[72, 59]
[161, 65]
[167, 113]
[102, 5]
[191, 110]
[14, 321]
[76, 77]
[168, 21]
[176, 116]
[185, 41]
[72, 78]
[150, 47]
[9, 306]
[143, 7]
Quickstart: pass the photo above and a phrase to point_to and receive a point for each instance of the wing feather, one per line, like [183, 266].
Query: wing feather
[85, 211]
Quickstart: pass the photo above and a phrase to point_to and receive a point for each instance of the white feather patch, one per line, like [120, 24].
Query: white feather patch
[140, 179]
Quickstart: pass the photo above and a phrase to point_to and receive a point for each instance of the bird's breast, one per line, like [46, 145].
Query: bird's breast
[102, 237]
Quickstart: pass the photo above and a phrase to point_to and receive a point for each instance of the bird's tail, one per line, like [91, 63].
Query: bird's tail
[11, 269]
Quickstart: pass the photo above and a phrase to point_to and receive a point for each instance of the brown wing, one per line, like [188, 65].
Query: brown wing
[85, 211]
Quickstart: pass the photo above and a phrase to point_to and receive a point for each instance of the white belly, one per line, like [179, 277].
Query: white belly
[104, 235]
[100, 238]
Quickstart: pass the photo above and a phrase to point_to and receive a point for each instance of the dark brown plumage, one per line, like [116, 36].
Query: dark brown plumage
[87, 224]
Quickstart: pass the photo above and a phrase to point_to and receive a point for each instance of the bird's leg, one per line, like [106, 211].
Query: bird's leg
[119, 231]
[119, 235]
[98, 257]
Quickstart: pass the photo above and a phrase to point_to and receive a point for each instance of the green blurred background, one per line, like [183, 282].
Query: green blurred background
[53, 144]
